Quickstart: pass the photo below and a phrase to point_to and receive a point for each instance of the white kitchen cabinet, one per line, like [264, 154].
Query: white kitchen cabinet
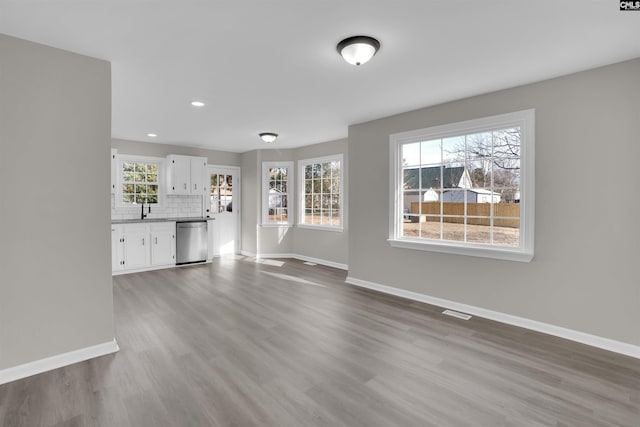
[114, 170]
[163, 243]
[117, 252]
[142, 246]
[136, 246]
[186, 174]
[197, 172]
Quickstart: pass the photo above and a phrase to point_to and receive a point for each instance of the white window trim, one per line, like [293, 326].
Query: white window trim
[301, 209]
[524, 253]
[265, 193]
[124, 158]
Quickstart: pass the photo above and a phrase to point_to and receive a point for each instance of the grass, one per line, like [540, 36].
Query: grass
[502, 236]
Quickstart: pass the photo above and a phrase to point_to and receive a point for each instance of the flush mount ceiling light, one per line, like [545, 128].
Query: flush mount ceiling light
[268, 136]
[358, 49]
[152, 135]
[197, 103]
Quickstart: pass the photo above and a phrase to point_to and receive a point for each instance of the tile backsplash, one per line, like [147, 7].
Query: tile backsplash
[173, 207]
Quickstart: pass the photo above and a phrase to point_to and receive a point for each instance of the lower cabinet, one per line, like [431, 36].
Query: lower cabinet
[140, 246]
[163, 243]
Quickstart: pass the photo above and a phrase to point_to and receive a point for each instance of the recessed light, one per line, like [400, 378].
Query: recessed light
[152, 135]
[197, 103]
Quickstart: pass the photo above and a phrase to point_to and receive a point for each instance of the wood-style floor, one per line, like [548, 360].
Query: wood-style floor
[281, 343]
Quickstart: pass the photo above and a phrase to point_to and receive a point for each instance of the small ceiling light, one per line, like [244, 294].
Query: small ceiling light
[268, 136]
[358, 50]
[197, 103]
[152, 135]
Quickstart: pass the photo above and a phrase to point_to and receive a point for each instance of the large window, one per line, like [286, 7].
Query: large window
[465, 188]
[276, 189]
[321, 193]
[139, 180]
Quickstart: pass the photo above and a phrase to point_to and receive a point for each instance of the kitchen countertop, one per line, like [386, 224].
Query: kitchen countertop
[138, 220]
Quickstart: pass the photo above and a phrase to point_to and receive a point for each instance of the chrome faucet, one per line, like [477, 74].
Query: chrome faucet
[142, 214]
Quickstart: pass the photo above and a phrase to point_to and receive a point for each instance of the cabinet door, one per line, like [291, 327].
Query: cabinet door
[116, 248]
[178, 175]
[197, 175]
[114, 170]
[163, 247]
[136, 246]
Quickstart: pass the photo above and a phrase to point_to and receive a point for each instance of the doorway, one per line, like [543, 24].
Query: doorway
[223, 209]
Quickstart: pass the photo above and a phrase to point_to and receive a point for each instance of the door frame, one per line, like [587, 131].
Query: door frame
[237, 203]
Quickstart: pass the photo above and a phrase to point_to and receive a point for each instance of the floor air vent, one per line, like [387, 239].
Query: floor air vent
[457, 314]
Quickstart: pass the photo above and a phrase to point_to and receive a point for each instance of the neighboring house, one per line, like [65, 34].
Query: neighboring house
[432, 180]
[276, 200]
[474, 195]
[436, 177]
[430, 195]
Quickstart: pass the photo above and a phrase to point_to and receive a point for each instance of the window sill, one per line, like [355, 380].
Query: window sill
[479, 251]
[281, 225]
[321, 228]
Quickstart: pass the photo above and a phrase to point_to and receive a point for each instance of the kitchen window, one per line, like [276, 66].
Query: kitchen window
[321, 193]
[139, 180]
[276, 188]
[465, 188]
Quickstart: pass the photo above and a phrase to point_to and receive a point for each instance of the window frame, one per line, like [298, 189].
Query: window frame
[265, 193]
[301, 193]
[161, 179]
[524, 119]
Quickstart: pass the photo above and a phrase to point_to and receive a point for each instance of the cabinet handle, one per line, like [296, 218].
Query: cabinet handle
[143, 241]
[195, 186]
[185, 185]
[156, 240]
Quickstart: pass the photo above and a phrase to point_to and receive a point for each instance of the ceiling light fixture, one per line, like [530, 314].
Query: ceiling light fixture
[268, 136]
[358, 50]
[151, 135]
[197, 103]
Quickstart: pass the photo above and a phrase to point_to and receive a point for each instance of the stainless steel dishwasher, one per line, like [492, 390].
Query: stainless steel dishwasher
[191, 241]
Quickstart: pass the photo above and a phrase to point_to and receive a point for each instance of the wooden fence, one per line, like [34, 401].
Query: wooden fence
[454, 212]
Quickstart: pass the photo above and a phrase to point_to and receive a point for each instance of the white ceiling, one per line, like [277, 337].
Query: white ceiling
[272, 65]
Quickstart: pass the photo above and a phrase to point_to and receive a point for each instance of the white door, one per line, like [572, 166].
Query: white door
[224, 208]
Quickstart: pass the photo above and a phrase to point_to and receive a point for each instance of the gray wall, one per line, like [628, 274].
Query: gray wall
[325, 245]
[271, 240]
[584, 274]
[249, 215]
[163, 150]
[55, 127]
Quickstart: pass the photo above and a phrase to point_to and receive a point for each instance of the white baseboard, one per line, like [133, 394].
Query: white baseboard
[141, 269]
[57, 361]
[321, 261]
[534, 325]
[298, 256]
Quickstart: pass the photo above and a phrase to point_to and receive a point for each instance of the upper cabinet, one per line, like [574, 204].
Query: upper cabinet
[114, 170]
[186, 174]
[197, 171]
